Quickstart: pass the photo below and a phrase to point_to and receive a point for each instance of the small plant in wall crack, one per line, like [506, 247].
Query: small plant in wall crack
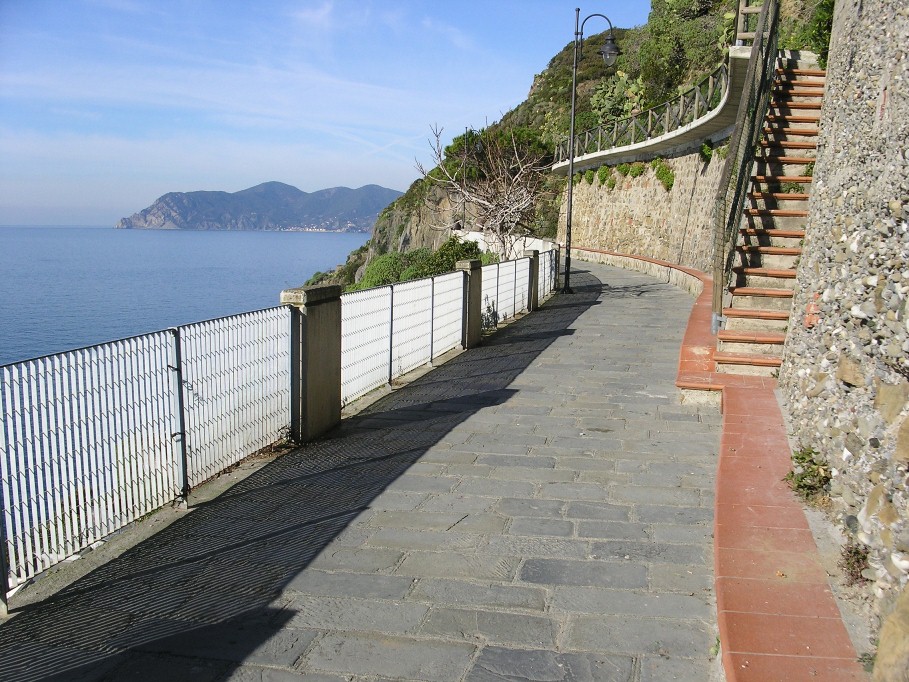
[854, 561]
[810, 475]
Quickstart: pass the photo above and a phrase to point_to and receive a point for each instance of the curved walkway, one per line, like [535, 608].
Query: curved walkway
[540, 507]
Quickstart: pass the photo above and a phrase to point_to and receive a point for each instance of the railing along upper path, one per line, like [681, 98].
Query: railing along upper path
[709, 109]
[536, 506]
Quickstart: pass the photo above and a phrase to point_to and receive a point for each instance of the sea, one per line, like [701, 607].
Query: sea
[68, 287]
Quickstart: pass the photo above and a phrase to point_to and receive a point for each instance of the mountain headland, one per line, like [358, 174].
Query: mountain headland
[269, 206]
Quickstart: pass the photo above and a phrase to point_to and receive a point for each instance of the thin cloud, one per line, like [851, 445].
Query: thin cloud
[453, 35]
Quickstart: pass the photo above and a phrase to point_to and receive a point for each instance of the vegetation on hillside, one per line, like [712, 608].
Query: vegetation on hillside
[682, 42]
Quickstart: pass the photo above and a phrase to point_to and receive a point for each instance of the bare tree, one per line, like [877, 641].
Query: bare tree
[496, 175]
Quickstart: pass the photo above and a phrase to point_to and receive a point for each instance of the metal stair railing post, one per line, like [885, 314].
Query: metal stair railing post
[730, 197]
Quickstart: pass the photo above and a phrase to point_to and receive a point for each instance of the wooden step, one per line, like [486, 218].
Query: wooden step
[791, 118]
[817, 73]
[740, 336]
[803, 132]
[755, 314]
[783, 89]
[795, 105]
[760, 292]
[772, 232]
[776, 212]
[786, 159]
[778, 196]
[770, 250]
[798, 83]
[787, 144]
[780, 179]
[725, 358]
[765, 272]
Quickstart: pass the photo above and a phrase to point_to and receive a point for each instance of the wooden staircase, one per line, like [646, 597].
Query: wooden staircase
[773, 227]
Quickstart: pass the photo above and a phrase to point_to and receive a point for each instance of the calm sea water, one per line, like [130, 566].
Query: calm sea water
[66, 287]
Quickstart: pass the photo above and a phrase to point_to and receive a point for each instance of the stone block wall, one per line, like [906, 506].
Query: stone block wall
[845, 375]
[639, 217]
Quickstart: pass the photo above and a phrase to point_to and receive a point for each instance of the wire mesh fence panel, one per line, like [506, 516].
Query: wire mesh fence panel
[447, 312]
[507, 289]
[236, 388]
[365, 341]
[547, 275]
[490, 296]
[411, 344]
[87, 448]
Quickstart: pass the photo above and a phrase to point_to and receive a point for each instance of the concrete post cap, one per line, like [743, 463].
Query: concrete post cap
[303, 296]
[468, 264]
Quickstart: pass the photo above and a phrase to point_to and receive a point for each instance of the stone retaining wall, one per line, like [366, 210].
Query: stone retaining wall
[845, 375]
[639, 216]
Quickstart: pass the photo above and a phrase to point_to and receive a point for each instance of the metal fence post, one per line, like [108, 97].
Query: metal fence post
[391, 332]
[4, 564]
[297, 373]
[432, 318]
[176, 384]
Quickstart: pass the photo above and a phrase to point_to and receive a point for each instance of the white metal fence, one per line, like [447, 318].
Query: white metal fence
[388, 331]
[236, 379]
[95, 438]
[506, 290]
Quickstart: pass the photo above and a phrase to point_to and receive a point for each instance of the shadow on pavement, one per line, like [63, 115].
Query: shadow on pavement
[199, 598]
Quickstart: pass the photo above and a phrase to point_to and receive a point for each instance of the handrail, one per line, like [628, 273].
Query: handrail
[730, 197]
[691, 105]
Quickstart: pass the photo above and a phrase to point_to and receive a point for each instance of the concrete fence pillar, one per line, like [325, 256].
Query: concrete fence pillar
[533, 288]
[315, 360]
[473, 302]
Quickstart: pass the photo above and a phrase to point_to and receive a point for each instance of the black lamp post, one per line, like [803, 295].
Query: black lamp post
[609, 52]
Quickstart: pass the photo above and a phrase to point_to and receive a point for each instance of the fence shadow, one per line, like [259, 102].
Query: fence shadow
[204, 595]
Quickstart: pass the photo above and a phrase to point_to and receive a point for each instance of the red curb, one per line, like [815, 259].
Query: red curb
[777, 617]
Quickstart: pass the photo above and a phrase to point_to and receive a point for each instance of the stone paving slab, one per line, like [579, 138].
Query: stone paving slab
[537, 508]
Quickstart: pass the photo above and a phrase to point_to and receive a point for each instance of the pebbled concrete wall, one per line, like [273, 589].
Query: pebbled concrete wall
[638, 216]
[845, 374]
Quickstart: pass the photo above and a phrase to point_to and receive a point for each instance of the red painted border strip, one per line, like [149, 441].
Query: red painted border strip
[777, 618]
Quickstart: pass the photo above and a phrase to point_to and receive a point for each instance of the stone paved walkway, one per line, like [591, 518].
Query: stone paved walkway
[537, 508]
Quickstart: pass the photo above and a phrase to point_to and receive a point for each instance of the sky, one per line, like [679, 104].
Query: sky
[105, 105]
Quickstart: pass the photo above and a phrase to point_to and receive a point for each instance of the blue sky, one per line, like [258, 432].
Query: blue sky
[105, 105]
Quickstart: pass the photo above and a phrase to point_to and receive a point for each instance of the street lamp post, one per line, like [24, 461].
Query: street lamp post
[609, 52]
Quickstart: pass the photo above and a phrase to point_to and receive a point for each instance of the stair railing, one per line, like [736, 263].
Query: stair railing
[730, 198]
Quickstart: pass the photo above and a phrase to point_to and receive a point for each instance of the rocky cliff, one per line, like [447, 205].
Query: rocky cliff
[269, 206]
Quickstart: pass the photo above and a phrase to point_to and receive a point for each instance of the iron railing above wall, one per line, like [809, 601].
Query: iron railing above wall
[654, 122]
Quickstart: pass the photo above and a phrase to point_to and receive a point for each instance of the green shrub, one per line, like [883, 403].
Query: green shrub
[610, 183]
[577, 178]
[706, 152]
[664, 174]
[637, 169]
[623, 168]
[604, 173]
[722, 152]
[791, 187]
[589, 176]
[810, 475]
[809, 169]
